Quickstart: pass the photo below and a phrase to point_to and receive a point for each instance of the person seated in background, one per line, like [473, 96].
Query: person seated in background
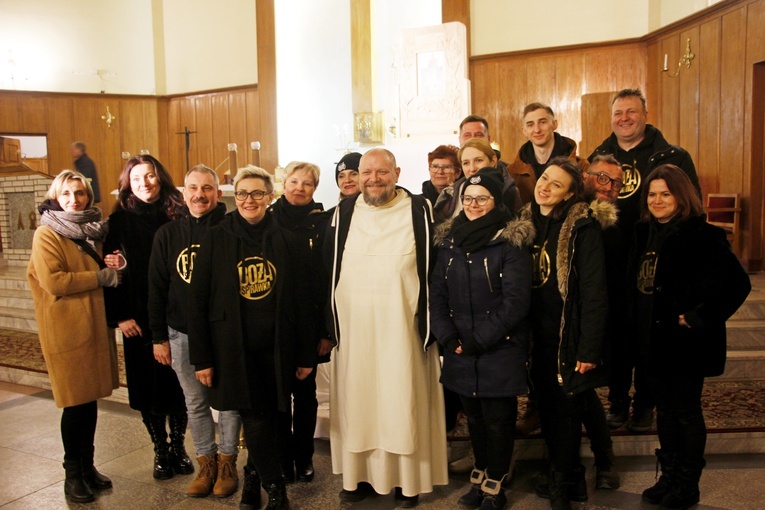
[444, 168]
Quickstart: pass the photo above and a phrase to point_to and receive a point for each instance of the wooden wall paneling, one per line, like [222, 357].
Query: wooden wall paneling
[188, 120]
[240, 122]
[267, 83]
[32, 115]
[707, 162]
[732, 73]
[60, 132]
[688, 99]
[653, 80]
[149, 108]
[131, 124]
[569, 83]
[601, 71]
[251, 121]
[512, 99]
[204, 126]
[633, 66]
[220, 131]
[175, 142]
[109, 163]
[9, 114]
[754, 132]
[457, 10]
[485, 85]
[161, 109]
[596, 121]
[669, 91]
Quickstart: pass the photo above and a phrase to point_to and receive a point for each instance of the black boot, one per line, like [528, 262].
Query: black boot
[250, 490]
[156, 426]
[667, 462]
[179, 459]
[277, 495]
[685, 491]
[576, 486]
[93, 478]
[560, 485]
[75, 487]
[474, 497]
[607, 476]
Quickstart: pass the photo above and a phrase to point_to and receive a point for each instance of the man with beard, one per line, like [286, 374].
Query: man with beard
[387, 412]
[170, 270]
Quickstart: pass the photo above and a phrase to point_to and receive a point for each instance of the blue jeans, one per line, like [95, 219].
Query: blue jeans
[201, 424]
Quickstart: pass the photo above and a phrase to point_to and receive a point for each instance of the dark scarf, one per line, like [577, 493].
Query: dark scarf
[86, 225]
[473, 235]
[292, 216]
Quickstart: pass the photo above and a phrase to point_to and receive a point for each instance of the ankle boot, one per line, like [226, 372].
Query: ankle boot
[606, 477]
[493, 494]
[667, 461]
[560, 484]
[474, 497]
[75, 487]
[250, 490]
[685, 491]
[576, 487]
[179, 459]
[203, 484]
[277, 495]
[156, 426]
[228, 481]
[94, 479]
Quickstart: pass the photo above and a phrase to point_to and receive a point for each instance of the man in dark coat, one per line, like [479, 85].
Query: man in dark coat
[170, 270]
[640, 148]
[85, 165]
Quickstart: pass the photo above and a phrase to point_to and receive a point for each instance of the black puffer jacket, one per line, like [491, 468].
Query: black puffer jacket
[485, 294]
[697, 275]
[581, 276]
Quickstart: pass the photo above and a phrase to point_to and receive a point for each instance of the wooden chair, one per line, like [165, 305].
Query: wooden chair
[724, 211]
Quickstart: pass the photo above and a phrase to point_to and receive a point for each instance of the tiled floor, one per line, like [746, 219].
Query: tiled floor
[31, 476]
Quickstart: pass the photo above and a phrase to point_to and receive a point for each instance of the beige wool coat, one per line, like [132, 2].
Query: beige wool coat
[69, 306]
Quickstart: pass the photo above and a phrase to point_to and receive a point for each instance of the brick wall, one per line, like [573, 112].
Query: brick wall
[17, 184]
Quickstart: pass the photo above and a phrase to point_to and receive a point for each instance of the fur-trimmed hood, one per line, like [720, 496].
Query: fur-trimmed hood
[517, 232]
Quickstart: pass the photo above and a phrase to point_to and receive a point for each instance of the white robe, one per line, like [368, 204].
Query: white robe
[387, 423]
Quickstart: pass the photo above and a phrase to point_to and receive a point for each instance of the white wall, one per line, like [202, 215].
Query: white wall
[209, 45]
[673, 10]
[58, 46]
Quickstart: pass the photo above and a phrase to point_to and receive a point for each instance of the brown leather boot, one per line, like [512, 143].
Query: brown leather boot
[228, 480]
[203, 485]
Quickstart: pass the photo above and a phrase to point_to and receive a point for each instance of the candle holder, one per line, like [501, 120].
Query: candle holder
[685, 59]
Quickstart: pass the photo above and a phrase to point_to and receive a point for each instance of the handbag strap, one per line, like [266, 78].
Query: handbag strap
[87, 248]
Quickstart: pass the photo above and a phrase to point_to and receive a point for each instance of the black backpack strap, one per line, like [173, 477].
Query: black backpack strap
[87, 248]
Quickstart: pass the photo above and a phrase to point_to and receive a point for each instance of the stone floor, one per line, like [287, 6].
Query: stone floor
[31, 475]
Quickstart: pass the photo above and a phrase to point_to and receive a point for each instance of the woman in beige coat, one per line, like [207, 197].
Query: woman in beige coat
[66, 275]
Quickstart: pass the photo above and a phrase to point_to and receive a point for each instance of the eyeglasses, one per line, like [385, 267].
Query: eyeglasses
[603, 178]
[480, 200]
[242, 195]
[444, 168]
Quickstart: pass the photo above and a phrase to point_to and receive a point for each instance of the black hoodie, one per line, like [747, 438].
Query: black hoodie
[170, 268]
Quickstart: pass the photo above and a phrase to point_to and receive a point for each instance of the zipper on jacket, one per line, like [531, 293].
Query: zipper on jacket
[563, 317]
[310, 243]
[486, 268]
[446, 273]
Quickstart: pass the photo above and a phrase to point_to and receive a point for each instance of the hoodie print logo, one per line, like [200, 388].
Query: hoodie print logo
[184, 264]
[631, 181]
[646, 273]
[541, 265]
[256, 278]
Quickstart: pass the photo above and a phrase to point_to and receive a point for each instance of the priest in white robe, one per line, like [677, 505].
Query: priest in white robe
[387, 425]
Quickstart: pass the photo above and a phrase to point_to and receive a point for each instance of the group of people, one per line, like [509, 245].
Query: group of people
[549, 276]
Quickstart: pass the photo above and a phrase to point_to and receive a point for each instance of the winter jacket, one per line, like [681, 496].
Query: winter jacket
[522, 169]
[69, 307]
[448, 204]
[170, 268]
[696, 274]
[638, 163]
[486, 295]
[215, 322]
[581, 277]
[87, 167]
[337, 234]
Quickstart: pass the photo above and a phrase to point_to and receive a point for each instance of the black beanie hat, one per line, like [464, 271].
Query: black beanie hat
[348, 162]
[491, 179]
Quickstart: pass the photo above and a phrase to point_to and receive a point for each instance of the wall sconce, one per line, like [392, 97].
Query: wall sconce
[108, 117]
[685, 59]
[144, 152]
[255, 149]
[125, 155]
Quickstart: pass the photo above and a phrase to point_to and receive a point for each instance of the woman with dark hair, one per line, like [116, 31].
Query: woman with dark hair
[687, 284]
[444, 167]
[480, 299]
[66, 275]
[147, 200]
[568, 316]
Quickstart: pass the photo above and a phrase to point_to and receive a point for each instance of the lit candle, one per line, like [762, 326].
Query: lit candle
[665, 61]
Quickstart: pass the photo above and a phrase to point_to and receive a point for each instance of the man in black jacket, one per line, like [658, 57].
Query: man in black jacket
[85, 165]
[170, 270]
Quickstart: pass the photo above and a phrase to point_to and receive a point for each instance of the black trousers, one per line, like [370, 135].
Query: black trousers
[452, 406]
[594, 419]
[624, 359]
[296, 428]
[260, 434]
[78, 429]
[679, 418]
[491, 422]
